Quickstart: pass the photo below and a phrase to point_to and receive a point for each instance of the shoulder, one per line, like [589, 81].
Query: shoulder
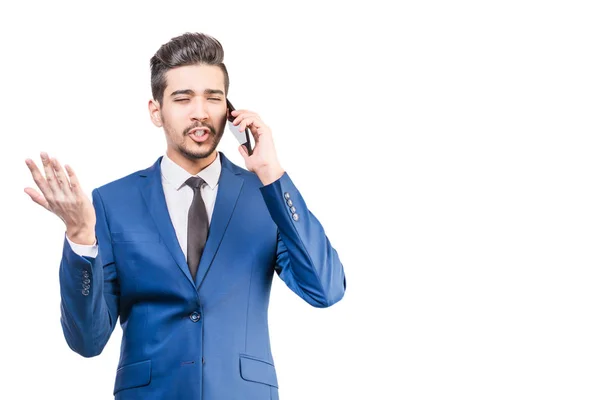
[125, 184]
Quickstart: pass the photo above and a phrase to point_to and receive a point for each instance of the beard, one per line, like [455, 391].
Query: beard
[190, 149]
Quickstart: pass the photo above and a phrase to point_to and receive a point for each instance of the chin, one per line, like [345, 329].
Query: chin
[198, 150]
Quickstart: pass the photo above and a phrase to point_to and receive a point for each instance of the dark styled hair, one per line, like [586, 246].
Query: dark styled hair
[187, 49]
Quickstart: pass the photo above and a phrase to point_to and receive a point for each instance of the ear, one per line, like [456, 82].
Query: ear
[154, 110]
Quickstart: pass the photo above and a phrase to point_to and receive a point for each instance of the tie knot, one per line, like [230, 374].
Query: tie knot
[194, 182]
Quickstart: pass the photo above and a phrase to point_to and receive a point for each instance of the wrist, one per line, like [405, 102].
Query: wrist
[268, 175]
[83, 236]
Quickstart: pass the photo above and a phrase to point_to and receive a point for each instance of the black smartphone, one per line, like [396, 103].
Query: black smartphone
[242, 137]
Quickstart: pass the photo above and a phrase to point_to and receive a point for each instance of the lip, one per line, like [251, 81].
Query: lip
[193, 131]
[202, 138]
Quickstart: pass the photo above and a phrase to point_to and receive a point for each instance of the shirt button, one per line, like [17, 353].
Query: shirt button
[195, 316]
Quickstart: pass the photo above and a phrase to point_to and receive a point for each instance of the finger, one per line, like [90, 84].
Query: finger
[37, 197]
[256, 126]
[38, 178]
[243, 114]
[253, 128]
[251, 122]
[50, 176]
[75, 186]
[61, 178]
[237, 112]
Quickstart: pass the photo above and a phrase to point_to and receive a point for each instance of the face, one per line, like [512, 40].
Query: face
[194, 111]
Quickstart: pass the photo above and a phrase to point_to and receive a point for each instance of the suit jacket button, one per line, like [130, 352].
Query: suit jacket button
[290, 203]
[286, 195]
[295, 216]
[195, 316]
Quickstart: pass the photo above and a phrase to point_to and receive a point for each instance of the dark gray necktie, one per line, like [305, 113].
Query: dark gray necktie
[197, 226]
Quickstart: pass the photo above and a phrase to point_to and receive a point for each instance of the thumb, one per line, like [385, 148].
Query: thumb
[243, 152]
[38, 198]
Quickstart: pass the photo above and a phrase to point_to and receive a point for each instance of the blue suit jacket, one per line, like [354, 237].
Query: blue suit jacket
[204, 339]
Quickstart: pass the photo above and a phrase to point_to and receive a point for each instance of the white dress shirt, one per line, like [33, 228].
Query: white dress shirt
[179, 197]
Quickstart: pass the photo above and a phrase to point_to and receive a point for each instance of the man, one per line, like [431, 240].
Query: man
[184, 252]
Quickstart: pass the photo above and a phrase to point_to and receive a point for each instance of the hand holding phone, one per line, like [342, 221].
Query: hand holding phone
[243, 138]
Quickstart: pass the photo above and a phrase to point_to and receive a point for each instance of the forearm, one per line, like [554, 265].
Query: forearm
[86, 317]
[307, 261]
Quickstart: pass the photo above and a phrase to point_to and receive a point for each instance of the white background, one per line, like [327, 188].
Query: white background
[450, 149]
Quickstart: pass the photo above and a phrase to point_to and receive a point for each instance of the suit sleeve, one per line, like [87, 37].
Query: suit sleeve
[83, 249]
[89, 291]
[305, 260]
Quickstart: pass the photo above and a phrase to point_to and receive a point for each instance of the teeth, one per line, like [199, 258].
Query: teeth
[199, 133]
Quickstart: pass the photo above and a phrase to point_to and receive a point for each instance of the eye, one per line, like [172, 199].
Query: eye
[180, 100]
[214, 98]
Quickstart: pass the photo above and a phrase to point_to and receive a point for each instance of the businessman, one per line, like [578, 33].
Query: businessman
[183, 253]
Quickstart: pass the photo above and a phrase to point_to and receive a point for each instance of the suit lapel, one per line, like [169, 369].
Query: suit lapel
[230, 186]
[154, 196]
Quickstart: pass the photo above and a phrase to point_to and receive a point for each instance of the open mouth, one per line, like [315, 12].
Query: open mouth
[199, 134]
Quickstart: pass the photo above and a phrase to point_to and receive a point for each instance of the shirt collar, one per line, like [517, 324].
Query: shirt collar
[176, 175]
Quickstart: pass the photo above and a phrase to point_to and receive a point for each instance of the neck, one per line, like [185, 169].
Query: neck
[192, 166]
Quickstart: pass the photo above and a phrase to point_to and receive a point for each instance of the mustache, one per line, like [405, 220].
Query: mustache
[189, 128]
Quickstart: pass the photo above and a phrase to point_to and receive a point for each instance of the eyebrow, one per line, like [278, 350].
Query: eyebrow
[191, 92]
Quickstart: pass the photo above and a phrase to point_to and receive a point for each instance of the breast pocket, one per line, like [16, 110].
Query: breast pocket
[144, 263]
[136, 249]
[134, 245]
[135, 236]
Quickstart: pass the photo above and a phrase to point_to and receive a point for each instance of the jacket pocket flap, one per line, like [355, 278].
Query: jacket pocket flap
[133, 375]
[255, 370]
[135, 236]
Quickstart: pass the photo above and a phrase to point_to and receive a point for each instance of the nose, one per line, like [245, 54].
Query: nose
[199, 111]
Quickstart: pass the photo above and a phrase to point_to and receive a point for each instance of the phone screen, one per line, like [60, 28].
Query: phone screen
[245, 137]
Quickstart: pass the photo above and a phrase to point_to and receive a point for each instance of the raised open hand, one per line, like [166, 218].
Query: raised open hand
[62, 195]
